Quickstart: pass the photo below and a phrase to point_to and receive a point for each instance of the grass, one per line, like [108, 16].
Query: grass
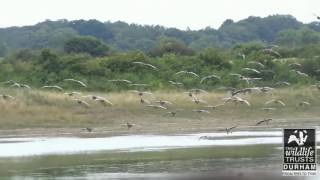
[35, 109]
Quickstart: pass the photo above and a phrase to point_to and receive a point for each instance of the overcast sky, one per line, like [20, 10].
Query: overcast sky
[196, 14]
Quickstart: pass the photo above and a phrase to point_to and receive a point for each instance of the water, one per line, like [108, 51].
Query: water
[68, 145]
[242, 155]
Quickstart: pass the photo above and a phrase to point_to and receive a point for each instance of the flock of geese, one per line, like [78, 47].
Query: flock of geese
[204, 106]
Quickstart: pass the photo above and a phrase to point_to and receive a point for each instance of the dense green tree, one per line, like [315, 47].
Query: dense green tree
[87, 44]
[92, 28]
[171, 45]
[3, 49]
[124, 36]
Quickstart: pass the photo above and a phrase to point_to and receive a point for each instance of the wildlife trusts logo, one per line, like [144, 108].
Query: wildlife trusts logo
[299, 152]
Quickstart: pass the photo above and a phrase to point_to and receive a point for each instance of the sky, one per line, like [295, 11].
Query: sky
[195, 14]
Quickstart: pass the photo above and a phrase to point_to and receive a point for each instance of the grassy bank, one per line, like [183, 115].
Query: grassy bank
[35, 109]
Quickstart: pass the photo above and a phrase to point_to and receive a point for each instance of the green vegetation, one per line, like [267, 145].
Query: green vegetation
[47, 67]
[95, 52]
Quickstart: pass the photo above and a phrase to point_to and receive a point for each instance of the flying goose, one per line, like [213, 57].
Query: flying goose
[104, 101]
[140, 93]
[213, 76]
[156, 106]
[82, 102]
[176, 83]
[255, 63]
[162, 102]
[145, 64]
[198, 101]
[251, 70]
[52, 87]
[276, 101]
[6, 96]
[72, 93]
[120, 80]
[174, 113]
[201, 111]
[77, 81]
[129, 125]
[229, 130]
[188, 72]
[214, 106]
[264, 121]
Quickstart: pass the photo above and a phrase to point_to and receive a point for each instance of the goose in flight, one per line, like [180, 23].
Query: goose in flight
[242, 91]
[52, 87]
[282, 83]
[243, 101]
[235, 74]
[188, 72]
[264, 121]
[145, 64]
[255, 63]
[72, 93]
[243, 78]
[294, 65]
[213, 76]
[174, 113]
[300, 73]
[276, 101]
[93, 97]
[248, 80]
[141, 93]
[76, 81]
[104, 101]
[176, 83]
[129, 125]
[236, 99]
[201, 111]
[156, 106]
[25, 86]
[268, 109]
[198, 101]
[304, 103]
[229, 130]
[6, 96]
[272, 52]
[162, 102]
[18, 85]
[8, 82]
[139, 85]
[120, 80]
[82, 102]
[144, 101]
[214, 106]
[251, 70]
[264, 89]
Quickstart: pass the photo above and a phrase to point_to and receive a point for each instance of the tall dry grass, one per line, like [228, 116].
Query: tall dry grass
[51, 109]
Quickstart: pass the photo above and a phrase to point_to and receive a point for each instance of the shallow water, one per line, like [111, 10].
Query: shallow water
[69, 145]
[240, 155]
